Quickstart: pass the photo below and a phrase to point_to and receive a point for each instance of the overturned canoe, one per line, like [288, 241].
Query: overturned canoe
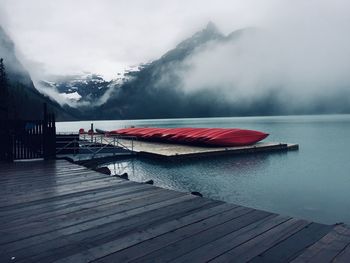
[198, 136]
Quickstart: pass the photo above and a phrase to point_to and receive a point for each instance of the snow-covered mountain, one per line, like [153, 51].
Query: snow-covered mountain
[80, 90]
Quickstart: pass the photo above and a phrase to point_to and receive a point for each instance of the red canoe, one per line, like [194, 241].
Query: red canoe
[199, 136]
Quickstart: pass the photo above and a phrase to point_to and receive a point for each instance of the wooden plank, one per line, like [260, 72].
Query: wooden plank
[36, 228]
[173, 231]
[62, 199]
[29, 184]
[41, 186]
[343, 256]
[292, 247]
[109, 228]
[122, 235]
[188, 219]
[32, 188]
[51, 181]
[26, 218]
[327, 248]
[21, 198]
[213, 248]
[11, 196]
[262, 242]
[26, 166]
[187, 245]
[37, 197]
[37, 173]
[64, 196]
[99, 221]
[43, 177]
[40, 174]
[71, 200]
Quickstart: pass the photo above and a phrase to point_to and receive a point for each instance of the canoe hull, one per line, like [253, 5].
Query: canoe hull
[219, 137]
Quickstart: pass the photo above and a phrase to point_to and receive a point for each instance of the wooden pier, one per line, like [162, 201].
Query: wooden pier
[172, 151]
[56, 211]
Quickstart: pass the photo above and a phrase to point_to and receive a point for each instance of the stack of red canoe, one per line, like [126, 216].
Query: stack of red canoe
[198, 136]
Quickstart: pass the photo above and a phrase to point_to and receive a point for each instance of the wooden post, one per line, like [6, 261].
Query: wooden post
[49, 135]
[11, 146]
[53, 139]
[45, 135]
[6, 142]
[92, 132]
[5, 135]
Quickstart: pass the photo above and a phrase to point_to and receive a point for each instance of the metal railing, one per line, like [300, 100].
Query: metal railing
[73, 143]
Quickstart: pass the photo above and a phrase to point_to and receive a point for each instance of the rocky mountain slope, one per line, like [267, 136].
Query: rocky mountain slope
[24, 100]
[155, 90]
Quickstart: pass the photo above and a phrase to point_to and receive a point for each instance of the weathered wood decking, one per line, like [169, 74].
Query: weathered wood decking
[56, 211]
[172, 150]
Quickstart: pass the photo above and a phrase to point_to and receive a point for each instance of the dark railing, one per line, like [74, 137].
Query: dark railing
[28, 139]
[92, 144]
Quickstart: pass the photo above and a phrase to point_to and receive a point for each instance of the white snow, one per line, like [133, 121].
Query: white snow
[71, 96]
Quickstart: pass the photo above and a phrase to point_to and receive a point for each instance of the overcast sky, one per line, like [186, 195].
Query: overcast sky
[107, 36]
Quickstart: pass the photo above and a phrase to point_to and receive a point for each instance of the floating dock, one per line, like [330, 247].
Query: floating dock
[172, 151]
[56, 211]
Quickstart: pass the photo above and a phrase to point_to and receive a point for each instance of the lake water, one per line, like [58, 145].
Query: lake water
[312, 183]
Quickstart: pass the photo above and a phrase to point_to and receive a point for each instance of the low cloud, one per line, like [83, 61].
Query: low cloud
[298, 56]
[303, 63]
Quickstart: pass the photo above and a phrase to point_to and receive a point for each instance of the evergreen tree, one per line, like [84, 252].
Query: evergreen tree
[4, 131]
[3, 76]
[3, 91]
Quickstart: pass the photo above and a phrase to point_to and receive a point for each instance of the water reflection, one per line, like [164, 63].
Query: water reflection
[217, 177]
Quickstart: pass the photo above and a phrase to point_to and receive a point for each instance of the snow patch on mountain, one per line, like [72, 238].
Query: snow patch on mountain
[75, 96]
[85, 89]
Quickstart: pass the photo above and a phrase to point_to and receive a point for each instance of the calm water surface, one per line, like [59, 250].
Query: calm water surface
[312, 183]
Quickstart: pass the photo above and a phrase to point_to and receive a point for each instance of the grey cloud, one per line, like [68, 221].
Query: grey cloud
[300, 52]
[303, 57]
[105, 36]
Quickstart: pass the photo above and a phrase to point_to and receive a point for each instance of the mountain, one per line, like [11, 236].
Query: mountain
[78, 90]
[82, 91]
[155, 90]
[88, 88]
[14, 68]
[202, 76]
[136, 93]
[25, 101]
[163, 88]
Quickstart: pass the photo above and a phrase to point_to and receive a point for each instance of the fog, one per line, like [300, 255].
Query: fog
[299, 50]
[107, 36]
[302, 55]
